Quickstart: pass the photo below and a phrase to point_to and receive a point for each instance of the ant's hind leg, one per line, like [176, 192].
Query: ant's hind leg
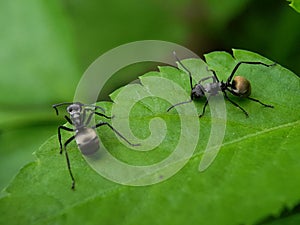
[235, 104]
[256, 100]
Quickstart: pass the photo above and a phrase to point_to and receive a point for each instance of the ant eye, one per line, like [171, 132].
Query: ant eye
[73, 108]
[70, 109]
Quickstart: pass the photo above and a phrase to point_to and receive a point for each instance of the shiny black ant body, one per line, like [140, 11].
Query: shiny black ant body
[85, 137]
[239, 86]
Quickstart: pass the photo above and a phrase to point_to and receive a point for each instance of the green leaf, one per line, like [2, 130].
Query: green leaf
[254, 176]
[221, 13]
[16, 154]
[36, 50]
[295, 4]
[110, 24]
[286, 220]
[38, 67]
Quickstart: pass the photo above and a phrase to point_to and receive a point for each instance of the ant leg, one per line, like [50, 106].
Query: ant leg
[69, 120]
[244, 62]
[99, 114]
[180, 103]
[235, 104]
[186, 69]
[89, 118]
[216, 79]
[256, 100]
[68, 161]
[204, 107]
[206, 78]
[59, 135]
[114, 130]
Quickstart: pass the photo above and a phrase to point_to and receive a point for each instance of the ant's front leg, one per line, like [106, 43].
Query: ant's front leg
[206, 78]
[65, 148]
[69, 120]
[215, 78]
[256, 100]
[59, 135]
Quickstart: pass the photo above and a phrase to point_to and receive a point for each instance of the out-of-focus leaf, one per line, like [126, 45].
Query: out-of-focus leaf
[16, 146]
[222, 12]
[37, 57]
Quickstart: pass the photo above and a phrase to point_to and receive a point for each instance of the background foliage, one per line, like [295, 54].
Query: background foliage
[47, 45]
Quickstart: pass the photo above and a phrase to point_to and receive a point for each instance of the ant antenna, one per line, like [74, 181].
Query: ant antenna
[180, 103]
[186, 69]
[191, 82]
[60, 104]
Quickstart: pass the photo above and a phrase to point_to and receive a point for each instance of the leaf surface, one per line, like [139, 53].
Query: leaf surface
[254, 176]
[295, 4]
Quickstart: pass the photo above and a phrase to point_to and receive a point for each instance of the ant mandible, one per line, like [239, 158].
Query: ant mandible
[239, 86]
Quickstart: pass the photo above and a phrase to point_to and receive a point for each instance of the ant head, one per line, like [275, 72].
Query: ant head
[71, 105]
[74, 108]
[197, 92]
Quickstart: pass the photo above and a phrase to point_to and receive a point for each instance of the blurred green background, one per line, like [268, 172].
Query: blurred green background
[47, 45]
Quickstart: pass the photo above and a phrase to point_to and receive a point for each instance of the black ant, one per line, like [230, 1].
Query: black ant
[85, 137]
[239, 86]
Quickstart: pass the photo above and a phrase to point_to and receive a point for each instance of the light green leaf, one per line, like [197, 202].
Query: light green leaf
[38, 67]
[295, 4]
[37, 58]
[254, 176]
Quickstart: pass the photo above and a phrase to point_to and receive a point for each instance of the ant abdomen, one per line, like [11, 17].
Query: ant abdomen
[241, 87]
[87, 141]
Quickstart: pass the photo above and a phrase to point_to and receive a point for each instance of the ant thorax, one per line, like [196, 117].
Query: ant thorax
[212, 88]
[76, 119]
